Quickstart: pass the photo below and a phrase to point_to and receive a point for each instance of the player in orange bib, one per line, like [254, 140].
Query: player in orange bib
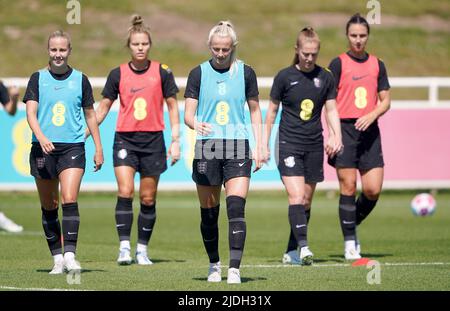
[362, 97]
[142, 85]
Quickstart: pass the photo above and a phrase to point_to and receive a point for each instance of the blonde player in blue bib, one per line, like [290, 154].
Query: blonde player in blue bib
[216, 94]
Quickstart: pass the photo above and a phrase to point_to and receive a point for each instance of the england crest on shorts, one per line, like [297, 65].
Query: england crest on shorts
[289, 161]
[122, 154]
[40, 162]
[317, 82]
[202, 167]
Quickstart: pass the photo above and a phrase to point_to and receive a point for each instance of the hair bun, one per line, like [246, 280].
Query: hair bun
[136, 20]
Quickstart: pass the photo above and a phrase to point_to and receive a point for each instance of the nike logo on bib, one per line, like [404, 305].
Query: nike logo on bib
[133, 90]
[355, 78]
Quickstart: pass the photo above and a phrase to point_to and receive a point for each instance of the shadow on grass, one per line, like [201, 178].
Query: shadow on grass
[316, 260]
[167, 260]
[368, 255]
[82, 270]
[134, 261]
[243, 279]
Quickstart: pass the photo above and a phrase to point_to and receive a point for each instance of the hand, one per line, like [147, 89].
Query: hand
[203, 128]
[257, 157]
[365, 121]
[46, 145]
[266, 154]
[98, 160]
[174, 152]
[333, 146]
[13, 93]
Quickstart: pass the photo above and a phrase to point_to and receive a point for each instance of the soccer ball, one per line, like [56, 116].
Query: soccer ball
[423, 204]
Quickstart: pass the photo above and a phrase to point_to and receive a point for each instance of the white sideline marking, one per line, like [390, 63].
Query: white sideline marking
[349, 265]
[18, 234]
[43, 289]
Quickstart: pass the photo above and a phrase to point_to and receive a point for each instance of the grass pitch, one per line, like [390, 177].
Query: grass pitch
[413, 252]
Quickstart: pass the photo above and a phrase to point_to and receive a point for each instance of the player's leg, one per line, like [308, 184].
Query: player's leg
[306, 256]
[151, 166]
[70, 180]
[49, 199]
[147, 217]
[371, 169]
[237, 168]
[310, 188]
[43, 169]
[207, 173]
[209, 197]
[370, 166]
[295, 188]
[347, 210]
[124, 211]
[371, 183]
[236, 193]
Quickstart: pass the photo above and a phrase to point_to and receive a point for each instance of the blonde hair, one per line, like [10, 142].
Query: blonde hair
[307, 34]
[225, 29]
[138, 26]
[57, 34]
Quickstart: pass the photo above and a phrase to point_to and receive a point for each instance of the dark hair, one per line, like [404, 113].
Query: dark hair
[357, 19]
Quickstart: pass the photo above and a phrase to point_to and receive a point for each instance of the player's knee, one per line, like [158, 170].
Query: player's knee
[69, 198]
[372, 194]
[50, 206]
[296, 199]
[126, 192]
[348, 187]
[307, 205]
[50, 203]
[148, 200]
[235, 207]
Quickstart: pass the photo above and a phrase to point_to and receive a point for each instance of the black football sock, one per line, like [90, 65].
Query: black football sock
[210, 232]
[299, 227]
[363, 207]
[70, 226]
[146, 222]
[347, 216]
[124, 218]
[237, 229]
[52, 229]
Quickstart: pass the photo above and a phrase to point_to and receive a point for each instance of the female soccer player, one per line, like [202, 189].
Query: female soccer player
[9, 98]
[303, 88]
[216, 93]
[139, 146]
[362, 97]
[55, 98]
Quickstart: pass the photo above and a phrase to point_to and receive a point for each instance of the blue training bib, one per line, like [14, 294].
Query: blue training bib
[59, 109]
[221, 102]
